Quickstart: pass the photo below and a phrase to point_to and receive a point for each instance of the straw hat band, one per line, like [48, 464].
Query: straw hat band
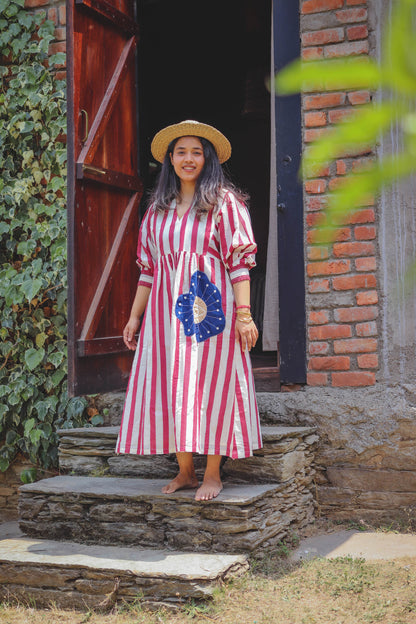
[162, 139]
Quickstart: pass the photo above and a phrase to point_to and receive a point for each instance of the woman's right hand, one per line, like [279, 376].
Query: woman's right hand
[129, 333]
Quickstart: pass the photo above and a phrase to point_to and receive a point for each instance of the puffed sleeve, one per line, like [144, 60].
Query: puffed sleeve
[146, 253]
[237, 243]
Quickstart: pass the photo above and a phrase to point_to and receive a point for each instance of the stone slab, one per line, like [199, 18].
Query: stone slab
[368, 545]
[74, 575]
[134, 511]
[138, 489]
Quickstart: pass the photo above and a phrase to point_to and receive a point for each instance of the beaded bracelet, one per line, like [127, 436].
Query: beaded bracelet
[243, 306]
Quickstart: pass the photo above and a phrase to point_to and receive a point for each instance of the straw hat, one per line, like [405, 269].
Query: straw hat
[190, 128]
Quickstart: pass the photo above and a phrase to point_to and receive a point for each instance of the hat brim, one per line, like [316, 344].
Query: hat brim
[162, 139]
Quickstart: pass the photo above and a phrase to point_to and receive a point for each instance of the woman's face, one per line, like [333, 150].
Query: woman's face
[188, 159]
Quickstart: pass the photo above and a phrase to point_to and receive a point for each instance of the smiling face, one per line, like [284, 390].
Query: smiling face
[188, 159]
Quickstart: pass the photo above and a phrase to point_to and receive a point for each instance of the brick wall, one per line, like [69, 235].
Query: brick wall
[342, 292]
[56, 12]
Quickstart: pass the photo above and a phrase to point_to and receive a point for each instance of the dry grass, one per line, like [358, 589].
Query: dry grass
[340, 591]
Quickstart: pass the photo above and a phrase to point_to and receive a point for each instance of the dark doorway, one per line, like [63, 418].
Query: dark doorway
[212, 65]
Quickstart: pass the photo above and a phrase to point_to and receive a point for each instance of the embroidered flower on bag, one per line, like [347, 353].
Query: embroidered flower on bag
[200, 310]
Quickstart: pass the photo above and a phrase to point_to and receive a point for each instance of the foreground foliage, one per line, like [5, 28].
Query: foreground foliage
[33, 399]
[395, 79]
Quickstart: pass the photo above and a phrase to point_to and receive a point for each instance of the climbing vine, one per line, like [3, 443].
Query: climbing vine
[33, 299]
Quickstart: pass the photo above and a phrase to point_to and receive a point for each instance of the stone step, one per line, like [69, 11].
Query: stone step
[71, 575]
[135, 512]
[286, 452]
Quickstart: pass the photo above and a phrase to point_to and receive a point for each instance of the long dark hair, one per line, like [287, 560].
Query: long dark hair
[209, 185]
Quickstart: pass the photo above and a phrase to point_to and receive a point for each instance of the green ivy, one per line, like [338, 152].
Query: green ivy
[33, 297]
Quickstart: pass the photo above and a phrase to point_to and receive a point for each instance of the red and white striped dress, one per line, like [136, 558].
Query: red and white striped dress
[191, 385]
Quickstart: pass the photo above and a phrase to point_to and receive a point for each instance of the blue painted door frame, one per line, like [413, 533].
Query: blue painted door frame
[292, 322]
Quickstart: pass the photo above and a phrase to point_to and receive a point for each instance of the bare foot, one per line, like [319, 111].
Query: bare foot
[209, 489]
[181, 482]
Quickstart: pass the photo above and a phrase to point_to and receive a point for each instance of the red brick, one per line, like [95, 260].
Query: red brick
[312, 54]
[358, 97]
[330, 362]
[60, 75]
[317, 118]
[33, 4]
[329, 235]
[351, 15]
[350, 48]
[318, 348]
[367, 298]
[60, 46]
[364, 232]
[316, 6]
[353, 345]
[341, 167]
[366, 264]
[60, 34]
[326, 100]
[53, 15]
[335, 183]
[351, 315]
[366, 329]
[327, 332]
[317, 379]
[357, 32]
[318, 253]
[313, 204]
[314, 133]
[62, 15]
[314, 218]
[368, 360]
[361, 216]
[320, 37]
[318, 317]
[315, 186]
[352, 282]
[362, 164]
[342, 250]
[319, 286]
[352, 378]
[332, 267]
[339, 114]
[349, 2]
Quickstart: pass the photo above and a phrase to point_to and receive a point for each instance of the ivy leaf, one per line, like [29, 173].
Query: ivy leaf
[31, 288]
[33, 357]
[28, 475]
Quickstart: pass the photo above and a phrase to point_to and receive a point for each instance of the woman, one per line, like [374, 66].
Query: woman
[191, 387]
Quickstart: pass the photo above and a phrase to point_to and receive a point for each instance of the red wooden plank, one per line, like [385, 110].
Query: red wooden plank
[101, 346]
[110, 13]
[116, 179]
[97, 305]
[107, 105]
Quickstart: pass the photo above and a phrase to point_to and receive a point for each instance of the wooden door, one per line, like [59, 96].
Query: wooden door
[104, 190]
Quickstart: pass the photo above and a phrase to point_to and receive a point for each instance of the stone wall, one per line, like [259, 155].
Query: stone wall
[9, 484]
[366, 461]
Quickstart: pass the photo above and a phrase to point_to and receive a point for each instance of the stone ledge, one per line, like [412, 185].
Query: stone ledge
[73, 575]
[134, 511]
[286, 450]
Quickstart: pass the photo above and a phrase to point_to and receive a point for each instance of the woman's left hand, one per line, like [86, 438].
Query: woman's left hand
[246, 334]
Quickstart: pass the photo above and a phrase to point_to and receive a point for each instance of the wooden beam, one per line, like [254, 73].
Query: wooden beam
[109, 177]
[100, 346]
[111, 14]
[107, 105]
[103, 289]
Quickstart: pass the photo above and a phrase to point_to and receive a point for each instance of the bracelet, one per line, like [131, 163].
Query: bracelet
[243, 306]
[245, 320]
